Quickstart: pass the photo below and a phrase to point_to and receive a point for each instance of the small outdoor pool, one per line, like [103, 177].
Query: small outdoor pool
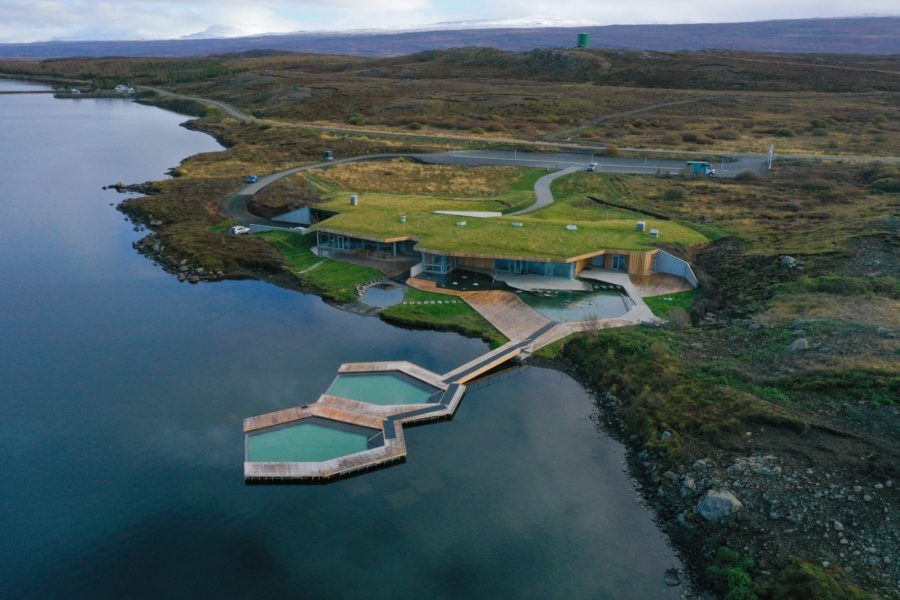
[310, 440]
[385, 388]
[383, 295]
[576, 306]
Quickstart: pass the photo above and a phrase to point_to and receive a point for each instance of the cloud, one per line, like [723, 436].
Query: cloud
[33, 20]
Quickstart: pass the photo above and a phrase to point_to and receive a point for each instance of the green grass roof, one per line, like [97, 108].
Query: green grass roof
[378, 217]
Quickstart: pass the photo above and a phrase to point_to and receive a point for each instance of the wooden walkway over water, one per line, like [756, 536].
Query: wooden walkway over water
[527, 331]
[387, 420]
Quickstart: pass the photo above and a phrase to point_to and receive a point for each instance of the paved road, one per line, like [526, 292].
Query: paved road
[605, 164]
[235, 207]
[228, 109]
[582, 147]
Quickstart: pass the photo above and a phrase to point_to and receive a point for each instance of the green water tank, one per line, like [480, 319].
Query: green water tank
[583, 40]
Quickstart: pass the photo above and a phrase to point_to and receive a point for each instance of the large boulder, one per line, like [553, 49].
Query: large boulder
[799, 345]
[788, 262]
[717, 504]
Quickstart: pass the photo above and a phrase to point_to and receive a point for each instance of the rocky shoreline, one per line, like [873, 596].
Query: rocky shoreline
[156, 251]
[769, 508]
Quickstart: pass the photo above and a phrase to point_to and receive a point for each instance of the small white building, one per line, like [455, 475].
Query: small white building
[124, 89]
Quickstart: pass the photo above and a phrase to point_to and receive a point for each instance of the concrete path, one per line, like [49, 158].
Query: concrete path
[542, 190]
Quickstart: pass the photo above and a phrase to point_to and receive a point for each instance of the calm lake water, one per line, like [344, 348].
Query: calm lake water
[123, 393]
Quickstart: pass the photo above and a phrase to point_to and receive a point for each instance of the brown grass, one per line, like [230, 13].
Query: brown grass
[785, 212]
[877, 311]
[741, 122]
[407, 177]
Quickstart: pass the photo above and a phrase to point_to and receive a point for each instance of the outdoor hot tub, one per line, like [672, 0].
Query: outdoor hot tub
[384, 388]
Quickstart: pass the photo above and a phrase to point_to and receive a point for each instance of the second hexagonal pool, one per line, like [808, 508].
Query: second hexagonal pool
[382, 387]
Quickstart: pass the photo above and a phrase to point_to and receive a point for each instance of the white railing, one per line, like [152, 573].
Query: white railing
[666, 263]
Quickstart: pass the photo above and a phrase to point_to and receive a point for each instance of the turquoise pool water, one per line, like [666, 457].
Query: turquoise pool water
[577, 306]
[384, 388]
[306, 441]
[383, 295]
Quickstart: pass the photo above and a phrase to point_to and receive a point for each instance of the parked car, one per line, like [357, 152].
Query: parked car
[592, 167]
[239, 230]
[252, 178]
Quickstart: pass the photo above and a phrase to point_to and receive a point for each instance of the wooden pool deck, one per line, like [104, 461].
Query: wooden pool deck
[393, 451]
[504, 310]
[527, 331]
[388, 420]
[402, 366]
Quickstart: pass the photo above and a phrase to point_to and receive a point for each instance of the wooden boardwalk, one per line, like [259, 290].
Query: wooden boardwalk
[486, 362]
[402, 366]
[527, 331]
[298, 413]
[504, 310]
[388, 420]
[393, 451]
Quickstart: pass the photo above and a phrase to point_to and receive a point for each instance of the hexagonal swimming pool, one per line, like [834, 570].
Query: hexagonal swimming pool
[384, 388]
[308, 440]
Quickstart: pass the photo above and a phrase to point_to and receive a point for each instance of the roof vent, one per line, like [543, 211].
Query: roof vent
[403, 218]
[572, 227]
[654, 233]
[641, 225]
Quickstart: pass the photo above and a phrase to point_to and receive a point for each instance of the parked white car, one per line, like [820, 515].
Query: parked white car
[239, 230]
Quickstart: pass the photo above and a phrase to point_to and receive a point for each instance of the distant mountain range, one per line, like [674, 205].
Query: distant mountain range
[870, 35]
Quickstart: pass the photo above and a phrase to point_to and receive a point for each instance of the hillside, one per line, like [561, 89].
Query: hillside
[734, 101]
[875, 35]
[775, 380]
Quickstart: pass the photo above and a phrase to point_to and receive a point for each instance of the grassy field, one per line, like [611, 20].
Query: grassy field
[454, 316]
[804, 209]
[795, 123]
[408, 177]
[666, 303]
[220, 227]
[334, 280]
[735, 101]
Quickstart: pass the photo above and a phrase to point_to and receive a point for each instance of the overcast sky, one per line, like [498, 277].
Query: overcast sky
[39, 20]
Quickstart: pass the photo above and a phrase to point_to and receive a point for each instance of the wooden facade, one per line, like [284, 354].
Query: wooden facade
[477, 263]
[638, 262]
